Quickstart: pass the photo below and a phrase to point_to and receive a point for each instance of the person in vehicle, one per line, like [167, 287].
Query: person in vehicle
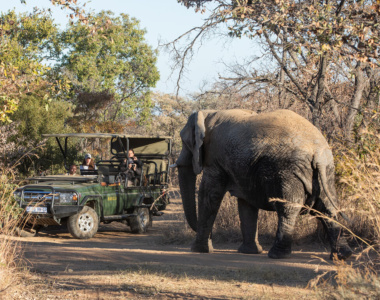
[73, 170]
[133, 159]
[88, 163]
[131, 167]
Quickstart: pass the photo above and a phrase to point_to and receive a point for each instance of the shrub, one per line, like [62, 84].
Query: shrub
[10, 251]
[358, 181]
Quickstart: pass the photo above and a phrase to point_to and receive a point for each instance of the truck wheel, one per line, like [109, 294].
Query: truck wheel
[140, 222]
[84, 224]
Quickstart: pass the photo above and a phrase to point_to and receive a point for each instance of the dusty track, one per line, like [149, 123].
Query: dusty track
[118, 264]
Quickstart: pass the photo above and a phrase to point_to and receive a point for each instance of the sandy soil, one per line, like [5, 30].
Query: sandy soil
[117, 264]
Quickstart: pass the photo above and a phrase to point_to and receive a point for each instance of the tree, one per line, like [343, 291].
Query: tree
[32, 119]
[110, 58]
[317, 47]
[35, 29]
[25, 41]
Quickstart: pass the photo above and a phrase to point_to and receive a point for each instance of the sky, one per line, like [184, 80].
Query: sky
[164, 20]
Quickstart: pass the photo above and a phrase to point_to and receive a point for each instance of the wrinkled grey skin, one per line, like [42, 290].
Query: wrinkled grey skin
[257, 158]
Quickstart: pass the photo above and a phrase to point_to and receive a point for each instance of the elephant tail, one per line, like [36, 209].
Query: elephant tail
[321, 160]
[331, 198]
[323, 179]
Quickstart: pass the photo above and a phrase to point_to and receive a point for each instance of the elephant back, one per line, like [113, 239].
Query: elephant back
[288, 128]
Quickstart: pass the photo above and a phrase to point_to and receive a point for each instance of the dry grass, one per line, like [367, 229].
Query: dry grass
[10, 251]
[163, 281]
[349, 283]
[359, 189]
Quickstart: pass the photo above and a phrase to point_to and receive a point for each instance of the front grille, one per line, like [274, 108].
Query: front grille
[38, 196]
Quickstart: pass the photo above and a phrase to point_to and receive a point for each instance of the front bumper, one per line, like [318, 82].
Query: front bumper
[53, 215]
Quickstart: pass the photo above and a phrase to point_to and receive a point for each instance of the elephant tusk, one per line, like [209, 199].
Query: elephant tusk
[173, 165]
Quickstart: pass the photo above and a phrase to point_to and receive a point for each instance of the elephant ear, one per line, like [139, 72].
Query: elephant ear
[192, 136]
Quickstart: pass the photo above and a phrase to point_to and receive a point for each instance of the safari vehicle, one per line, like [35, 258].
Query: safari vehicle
[83, 201]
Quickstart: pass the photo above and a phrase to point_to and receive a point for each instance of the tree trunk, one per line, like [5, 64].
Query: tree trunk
[355, 100]
[320, 91]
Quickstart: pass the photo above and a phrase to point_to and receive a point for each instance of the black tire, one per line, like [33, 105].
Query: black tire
[142, 220]
[84, 224]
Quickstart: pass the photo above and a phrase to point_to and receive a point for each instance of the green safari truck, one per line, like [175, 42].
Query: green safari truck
[84, 200]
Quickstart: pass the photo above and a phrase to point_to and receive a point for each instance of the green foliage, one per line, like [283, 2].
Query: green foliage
[8, 208]
[34, 118]
[112, 56]
[93, 76]
[25, 41]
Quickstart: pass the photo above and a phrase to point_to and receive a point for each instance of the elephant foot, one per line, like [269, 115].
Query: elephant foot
[343, 253]
[253, 249]
[202, 248]
[277, 253]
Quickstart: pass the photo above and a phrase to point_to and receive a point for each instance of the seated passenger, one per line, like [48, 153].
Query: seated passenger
[131, 168]
[88, 163]
[73, 170]
[133, 159]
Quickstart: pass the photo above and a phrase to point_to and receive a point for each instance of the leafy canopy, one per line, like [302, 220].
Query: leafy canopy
[111, 56]
[25, 42]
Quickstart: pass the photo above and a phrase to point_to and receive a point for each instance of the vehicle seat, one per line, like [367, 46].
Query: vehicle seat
[150, 171]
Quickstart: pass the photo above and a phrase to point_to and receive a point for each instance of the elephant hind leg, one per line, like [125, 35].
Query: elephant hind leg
[248, 223]
[339, 246]
[293, 193]
[287, 215]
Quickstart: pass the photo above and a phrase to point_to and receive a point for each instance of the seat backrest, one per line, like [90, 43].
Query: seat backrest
[163, 173]
[156, 171]
[88, 172]
[150, 171]
[112, 165]
[103, 170]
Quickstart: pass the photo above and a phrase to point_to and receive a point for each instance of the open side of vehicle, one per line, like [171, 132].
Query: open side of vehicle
[102, 195]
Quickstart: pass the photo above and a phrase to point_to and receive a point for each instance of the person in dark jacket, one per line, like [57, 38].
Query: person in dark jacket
[131, 167]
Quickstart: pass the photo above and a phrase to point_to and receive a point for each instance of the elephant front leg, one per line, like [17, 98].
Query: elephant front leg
[209, 199]
[248, 224]
[287, 215]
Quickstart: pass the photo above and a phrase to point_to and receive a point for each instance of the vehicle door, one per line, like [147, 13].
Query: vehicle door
[112, 199]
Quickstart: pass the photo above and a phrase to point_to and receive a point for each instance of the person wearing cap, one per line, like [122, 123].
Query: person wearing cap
[88, 163]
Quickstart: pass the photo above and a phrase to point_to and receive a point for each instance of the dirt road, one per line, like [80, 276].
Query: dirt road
[116, 264]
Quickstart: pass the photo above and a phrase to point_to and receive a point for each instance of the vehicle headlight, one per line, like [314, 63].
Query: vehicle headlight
[17, 194]
[68, 197]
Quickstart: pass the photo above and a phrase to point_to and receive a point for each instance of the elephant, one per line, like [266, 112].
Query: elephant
[275, 161]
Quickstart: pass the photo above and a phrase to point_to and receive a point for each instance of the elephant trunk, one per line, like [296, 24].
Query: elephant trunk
[187, 179]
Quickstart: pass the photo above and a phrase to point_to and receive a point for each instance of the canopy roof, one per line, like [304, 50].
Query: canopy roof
[120, 143]
[103, 135]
